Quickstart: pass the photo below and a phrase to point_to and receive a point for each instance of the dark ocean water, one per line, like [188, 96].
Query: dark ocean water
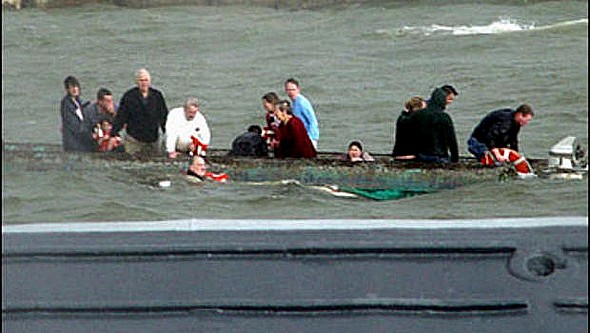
[357, 64]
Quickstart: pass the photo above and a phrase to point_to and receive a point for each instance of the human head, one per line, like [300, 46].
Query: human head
[415, 103]
[355, 150]
[104, 99]
[191, 107]
[143, 79]
[451, 93]
[72, 86]
[255, 129]
[523, 114]
[269, 100]
[199, 166]
[283, 110]
[106, 125]
[292, 88]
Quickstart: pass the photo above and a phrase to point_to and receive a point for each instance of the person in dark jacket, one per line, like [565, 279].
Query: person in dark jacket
[499, 129]
[434, 131]
[250, 143]
[76, 124]
[143, 111]
[405, 145]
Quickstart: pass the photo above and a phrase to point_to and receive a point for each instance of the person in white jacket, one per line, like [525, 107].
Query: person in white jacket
[182, 124]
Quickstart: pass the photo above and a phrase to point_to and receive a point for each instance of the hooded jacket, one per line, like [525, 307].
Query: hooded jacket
[435, 133]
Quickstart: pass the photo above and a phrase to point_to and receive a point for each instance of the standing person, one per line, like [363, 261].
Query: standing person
[293, 140]
[182, 124]
[76, 125]
[405, 143]
[143, 110]
[498, 129]
[303, 110]
[434, 131]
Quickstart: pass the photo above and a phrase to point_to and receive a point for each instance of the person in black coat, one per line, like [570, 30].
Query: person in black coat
[144, 112]
[250, 143]
[499, 129]
[434, 131]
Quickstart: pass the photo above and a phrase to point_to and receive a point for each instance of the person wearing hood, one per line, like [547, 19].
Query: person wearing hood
[435, 133]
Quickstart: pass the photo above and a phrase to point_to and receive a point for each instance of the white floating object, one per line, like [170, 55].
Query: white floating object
[165, 183]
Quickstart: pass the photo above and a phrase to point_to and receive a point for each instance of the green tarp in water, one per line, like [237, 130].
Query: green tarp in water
[384, 194]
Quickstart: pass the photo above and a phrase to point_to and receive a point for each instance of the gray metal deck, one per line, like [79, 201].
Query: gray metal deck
[499, 275]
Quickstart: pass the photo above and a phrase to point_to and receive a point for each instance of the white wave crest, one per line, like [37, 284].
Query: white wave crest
[502, 25]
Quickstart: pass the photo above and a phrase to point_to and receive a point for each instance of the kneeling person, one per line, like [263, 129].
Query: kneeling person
[186, 129]
[495, 139]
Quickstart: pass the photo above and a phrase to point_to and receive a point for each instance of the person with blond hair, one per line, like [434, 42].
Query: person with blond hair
[405, 145]
[142, 112]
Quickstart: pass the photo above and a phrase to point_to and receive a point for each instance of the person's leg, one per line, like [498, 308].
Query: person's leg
[476, 148]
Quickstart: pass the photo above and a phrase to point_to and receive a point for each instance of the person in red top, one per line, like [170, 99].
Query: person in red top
[293, 140]
[102, 135]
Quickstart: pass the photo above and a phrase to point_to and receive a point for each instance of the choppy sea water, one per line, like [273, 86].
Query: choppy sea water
[358, 64]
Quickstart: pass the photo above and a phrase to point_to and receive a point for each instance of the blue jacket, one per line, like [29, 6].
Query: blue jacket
[303, 110]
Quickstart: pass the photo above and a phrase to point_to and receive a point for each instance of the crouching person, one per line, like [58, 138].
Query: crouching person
[186, 130]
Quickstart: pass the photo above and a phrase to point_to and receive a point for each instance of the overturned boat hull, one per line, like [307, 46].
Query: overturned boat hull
[327, 168]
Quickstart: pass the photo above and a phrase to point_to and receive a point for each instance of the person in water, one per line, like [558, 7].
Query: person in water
[198, 170]
[355, 153]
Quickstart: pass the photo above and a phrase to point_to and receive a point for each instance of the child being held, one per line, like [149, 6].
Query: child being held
[102, 135]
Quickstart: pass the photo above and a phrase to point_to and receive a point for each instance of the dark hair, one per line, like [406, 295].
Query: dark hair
[355, 143]
[525, 109]
[449, 89]
[255, 129]
[284, 105]
[102, 92]
[71, 81]
[271, 97]
[292, 80]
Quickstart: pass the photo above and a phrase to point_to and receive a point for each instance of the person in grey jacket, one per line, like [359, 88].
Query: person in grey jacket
[76, 125]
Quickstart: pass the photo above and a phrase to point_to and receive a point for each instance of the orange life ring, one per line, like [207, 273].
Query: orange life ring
[519, 161]
[218, 177]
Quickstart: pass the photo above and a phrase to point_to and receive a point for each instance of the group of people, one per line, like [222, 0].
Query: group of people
[424, 130]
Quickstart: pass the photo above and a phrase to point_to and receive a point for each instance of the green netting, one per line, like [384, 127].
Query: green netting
[385, 194]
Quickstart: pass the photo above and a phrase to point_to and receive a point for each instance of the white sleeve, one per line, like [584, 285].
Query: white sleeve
[204, 133]
[171, 131]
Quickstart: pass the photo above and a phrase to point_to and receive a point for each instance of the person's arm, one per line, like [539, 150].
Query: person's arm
[163, 110]
[452, 141]
[204, 132]
[172, 128]
[122, 115]
[70, 121]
